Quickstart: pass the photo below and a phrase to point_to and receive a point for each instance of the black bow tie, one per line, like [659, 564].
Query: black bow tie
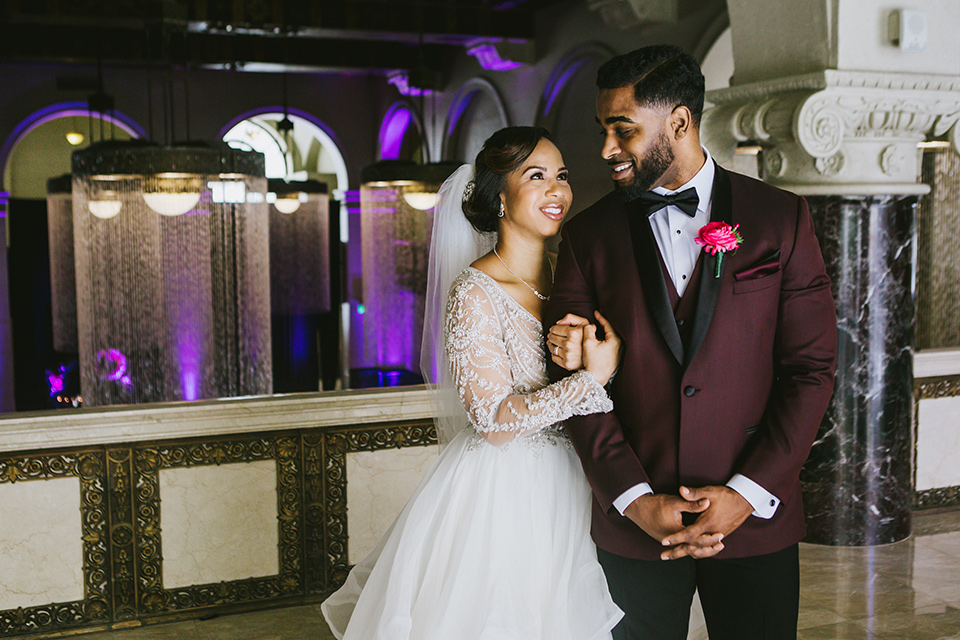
[686, 200]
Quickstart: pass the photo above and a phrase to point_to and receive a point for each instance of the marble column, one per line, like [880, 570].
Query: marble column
[839, 123]
[858, 480]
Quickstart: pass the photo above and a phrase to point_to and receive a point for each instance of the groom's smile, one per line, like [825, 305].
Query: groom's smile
[636, 146]
[622, 172]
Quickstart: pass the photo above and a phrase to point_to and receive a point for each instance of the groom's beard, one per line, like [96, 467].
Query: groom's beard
[651, 169]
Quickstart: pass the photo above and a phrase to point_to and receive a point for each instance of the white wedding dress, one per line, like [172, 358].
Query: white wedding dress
[495, 542]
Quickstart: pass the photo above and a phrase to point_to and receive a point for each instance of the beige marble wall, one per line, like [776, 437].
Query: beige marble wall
[938, 443]
[379, 483]
[41, 543]
[219, 523]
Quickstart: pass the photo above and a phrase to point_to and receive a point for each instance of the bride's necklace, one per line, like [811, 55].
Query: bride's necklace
[529, 286]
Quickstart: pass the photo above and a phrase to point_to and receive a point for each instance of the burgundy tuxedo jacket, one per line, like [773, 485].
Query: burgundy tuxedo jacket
[734, 380]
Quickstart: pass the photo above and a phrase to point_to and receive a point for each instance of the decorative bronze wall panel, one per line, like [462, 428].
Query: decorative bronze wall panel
[340, 442]
[121, 521]
[314, 520]
[95, 607]
[123, 554]
[154, 599]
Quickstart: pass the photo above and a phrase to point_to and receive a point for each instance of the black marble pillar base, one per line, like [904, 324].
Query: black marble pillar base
[858, 481]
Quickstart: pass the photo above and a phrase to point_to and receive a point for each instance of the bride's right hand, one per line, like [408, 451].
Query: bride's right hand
[601, 357]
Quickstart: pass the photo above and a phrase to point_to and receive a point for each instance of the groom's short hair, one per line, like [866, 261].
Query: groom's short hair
[661, 75]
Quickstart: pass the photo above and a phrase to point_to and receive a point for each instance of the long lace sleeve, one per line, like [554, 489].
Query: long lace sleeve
[481, 370]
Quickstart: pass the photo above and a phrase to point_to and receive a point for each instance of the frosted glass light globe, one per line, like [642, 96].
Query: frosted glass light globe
[104, 209]
[171, 204]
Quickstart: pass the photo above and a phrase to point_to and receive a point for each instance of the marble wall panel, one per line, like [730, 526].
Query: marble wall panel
[379, 483]
[219, 523]
[938, 443]
[41, 543]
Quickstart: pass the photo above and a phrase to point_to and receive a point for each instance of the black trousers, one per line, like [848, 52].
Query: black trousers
[756, 598]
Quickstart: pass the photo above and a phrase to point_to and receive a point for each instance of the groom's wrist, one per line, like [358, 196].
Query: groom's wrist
[630, 495]
[763, 502]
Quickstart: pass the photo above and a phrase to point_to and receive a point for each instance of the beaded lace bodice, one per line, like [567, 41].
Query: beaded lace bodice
[497, 357]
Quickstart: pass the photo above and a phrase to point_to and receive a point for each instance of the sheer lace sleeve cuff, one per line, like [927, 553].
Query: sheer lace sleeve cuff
[593, 397]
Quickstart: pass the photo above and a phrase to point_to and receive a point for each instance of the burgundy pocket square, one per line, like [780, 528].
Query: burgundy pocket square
[765, 267]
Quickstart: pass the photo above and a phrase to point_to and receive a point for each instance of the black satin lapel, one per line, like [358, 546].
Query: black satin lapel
[654, 288]
[721, 211]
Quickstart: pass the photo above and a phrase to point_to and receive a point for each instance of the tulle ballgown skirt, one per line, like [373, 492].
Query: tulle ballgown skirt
[493, 545]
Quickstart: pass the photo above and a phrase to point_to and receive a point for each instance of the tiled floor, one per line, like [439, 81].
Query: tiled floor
[909, 591]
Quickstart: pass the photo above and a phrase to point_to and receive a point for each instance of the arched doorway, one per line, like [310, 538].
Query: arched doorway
[305, 152]
[38, 149]
[306, 341]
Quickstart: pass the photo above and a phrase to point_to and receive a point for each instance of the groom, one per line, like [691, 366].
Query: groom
[727, 370]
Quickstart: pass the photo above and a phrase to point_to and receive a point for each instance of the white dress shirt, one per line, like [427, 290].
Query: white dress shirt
[675, 232]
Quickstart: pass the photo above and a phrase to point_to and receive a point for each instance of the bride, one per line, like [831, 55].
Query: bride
[495, 542]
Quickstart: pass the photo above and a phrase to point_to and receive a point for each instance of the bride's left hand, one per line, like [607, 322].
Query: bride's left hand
[565, 341]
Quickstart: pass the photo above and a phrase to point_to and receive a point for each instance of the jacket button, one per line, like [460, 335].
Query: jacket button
[689, 391]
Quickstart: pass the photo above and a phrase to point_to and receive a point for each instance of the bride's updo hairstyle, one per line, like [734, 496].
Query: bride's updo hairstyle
[502, 153]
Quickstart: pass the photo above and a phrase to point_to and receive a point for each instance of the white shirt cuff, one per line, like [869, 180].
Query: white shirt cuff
[631, 494]
[763, 502]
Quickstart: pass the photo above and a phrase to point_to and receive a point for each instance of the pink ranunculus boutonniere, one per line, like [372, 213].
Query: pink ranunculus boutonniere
[717, 238]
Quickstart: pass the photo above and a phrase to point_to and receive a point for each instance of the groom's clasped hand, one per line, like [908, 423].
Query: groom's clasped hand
[718, 510]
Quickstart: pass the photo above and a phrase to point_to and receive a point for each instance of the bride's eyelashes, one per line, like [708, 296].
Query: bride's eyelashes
[563, 175]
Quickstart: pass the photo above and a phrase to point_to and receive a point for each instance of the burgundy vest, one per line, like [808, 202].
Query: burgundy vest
[685, 308]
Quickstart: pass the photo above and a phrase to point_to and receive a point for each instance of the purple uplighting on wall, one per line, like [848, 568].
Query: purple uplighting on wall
[351, 200]
[300, 341]
[190, 349]
[457, 112]
[552, 90]
[393, 130]
[489, 58]
[401, 80]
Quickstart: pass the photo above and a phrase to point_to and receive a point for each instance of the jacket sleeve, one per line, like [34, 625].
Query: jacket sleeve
[805, 355]
[609, 462]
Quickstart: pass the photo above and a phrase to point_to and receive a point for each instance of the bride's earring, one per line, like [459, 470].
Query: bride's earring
[501, 212]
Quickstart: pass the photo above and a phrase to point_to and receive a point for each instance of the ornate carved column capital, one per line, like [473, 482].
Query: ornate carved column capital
[835, 132]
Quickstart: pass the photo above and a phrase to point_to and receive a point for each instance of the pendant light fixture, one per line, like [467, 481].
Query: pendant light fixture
[173, 296]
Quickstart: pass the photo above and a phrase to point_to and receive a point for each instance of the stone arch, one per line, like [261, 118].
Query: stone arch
[319, 130]
[401, 133]
[567, 109]
[477, 110]
[116, 120]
